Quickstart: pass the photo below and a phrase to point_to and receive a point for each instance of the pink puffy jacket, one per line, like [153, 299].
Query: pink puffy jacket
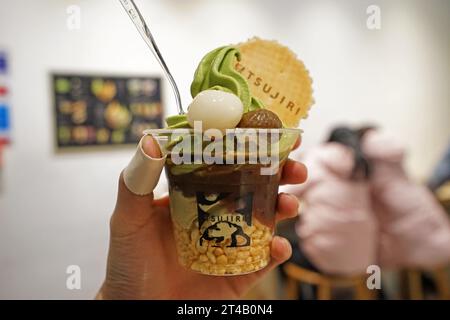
[337, 228]
[414, 229]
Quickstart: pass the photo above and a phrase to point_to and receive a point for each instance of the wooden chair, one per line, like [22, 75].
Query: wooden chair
[324, 283]
[443, 196]
[412, 283]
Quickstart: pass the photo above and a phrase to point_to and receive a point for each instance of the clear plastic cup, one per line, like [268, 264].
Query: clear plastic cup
[223, 214]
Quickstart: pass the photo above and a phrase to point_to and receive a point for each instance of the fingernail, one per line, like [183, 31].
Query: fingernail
[291, 196]
[297, 202]
[285, 242]
[151, 147]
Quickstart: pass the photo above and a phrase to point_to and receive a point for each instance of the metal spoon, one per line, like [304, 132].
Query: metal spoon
[139, 22]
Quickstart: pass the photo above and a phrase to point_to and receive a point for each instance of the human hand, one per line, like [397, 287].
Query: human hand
[142, 259]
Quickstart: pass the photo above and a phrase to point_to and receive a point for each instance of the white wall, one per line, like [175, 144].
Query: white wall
[54, 208]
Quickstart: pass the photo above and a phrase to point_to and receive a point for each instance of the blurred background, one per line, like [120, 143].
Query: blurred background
[55, 201]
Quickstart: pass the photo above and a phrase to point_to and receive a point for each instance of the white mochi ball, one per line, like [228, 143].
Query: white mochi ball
[216, 109]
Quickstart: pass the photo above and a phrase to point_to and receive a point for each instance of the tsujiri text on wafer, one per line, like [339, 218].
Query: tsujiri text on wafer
[277, 78]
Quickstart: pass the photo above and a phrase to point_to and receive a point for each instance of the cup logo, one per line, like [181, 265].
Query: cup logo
[220, 224]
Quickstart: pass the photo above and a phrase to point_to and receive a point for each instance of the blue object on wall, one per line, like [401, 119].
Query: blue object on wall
[3, 63]
[4, 118]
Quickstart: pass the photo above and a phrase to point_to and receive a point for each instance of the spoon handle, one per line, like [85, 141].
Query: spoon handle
[139, 22]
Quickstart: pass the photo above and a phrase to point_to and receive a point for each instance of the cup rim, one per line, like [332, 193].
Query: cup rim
[233, 130]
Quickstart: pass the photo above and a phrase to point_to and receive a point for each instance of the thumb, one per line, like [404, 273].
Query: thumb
[136, 184]
[142, 173]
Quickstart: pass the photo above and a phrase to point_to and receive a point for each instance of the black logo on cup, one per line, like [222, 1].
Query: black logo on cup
[219, 224]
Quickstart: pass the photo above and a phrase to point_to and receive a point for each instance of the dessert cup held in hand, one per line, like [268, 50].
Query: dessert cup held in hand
[223, 195]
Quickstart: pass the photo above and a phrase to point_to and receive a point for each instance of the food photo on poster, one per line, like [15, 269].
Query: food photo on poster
[94, 111]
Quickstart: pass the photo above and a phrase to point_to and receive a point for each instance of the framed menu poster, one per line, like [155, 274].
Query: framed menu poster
[105, 110]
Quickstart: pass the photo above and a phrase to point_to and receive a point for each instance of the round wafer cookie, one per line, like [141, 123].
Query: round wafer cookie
[277, 78]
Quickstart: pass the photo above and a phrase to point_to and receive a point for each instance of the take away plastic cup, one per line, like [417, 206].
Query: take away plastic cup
[223, 192]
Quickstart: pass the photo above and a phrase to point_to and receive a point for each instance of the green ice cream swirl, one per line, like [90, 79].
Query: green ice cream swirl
[216, 72]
